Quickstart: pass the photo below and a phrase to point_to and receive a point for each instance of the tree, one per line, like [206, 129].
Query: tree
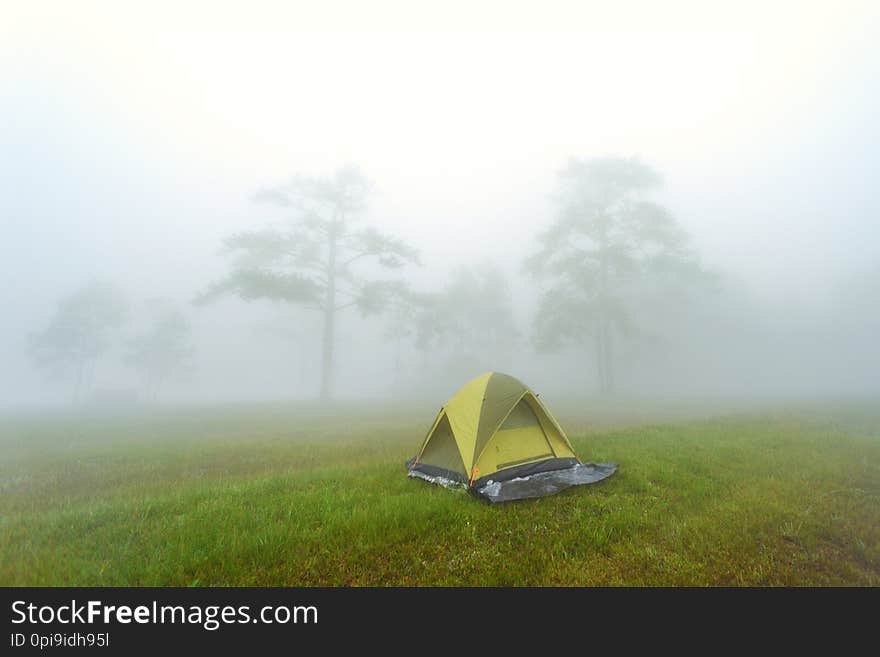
[318, 258]
[164, 352]
[471, 319]
[416, 317]
[477, 315]
[79, 333]
[402, 306]
[607, 240]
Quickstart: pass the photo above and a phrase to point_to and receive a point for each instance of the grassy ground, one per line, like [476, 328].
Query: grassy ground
[271, 495]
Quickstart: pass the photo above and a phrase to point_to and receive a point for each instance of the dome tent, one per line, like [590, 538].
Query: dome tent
[496, 438]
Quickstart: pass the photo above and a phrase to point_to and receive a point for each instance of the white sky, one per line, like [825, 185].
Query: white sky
[132, 137]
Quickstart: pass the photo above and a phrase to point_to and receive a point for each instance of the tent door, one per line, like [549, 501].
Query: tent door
[519, 440]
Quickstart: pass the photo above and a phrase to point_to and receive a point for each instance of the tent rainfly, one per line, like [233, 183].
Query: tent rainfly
[498, 440]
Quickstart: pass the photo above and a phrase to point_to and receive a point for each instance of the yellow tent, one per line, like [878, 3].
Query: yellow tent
[494, 429]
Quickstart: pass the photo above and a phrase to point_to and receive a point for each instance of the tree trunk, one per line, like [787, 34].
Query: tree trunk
[397, 340]
[329, 321]
[77, 388]
[90, 376]
[606, 374]
[158, 384]
[609, 357]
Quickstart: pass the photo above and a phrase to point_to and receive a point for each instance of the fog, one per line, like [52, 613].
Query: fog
[135, 143]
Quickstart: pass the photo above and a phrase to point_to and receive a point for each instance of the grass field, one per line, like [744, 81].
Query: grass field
[286, 495]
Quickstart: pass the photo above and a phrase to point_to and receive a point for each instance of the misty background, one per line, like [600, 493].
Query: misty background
[134, 141]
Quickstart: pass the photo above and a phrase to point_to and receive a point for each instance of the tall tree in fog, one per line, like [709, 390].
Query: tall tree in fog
[78, 334]
[319, 258]
[471, 320]
[403, 308]
[415, 317]
[164, 352]
[479, 313]
[468, 324]
[605, 237]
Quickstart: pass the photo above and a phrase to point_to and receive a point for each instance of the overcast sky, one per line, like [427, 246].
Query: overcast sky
[132, 138]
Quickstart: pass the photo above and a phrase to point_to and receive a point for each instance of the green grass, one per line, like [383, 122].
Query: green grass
[273, 495]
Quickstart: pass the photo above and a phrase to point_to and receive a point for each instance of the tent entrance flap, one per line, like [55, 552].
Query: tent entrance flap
[520, 439]
[441, 450]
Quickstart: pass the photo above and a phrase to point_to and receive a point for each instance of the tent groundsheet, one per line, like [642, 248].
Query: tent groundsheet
[521, 488]
[545, 483]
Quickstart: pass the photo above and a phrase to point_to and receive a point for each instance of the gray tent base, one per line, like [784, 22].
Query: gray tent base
[539, 484]
[438, 479]
[545, 483]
